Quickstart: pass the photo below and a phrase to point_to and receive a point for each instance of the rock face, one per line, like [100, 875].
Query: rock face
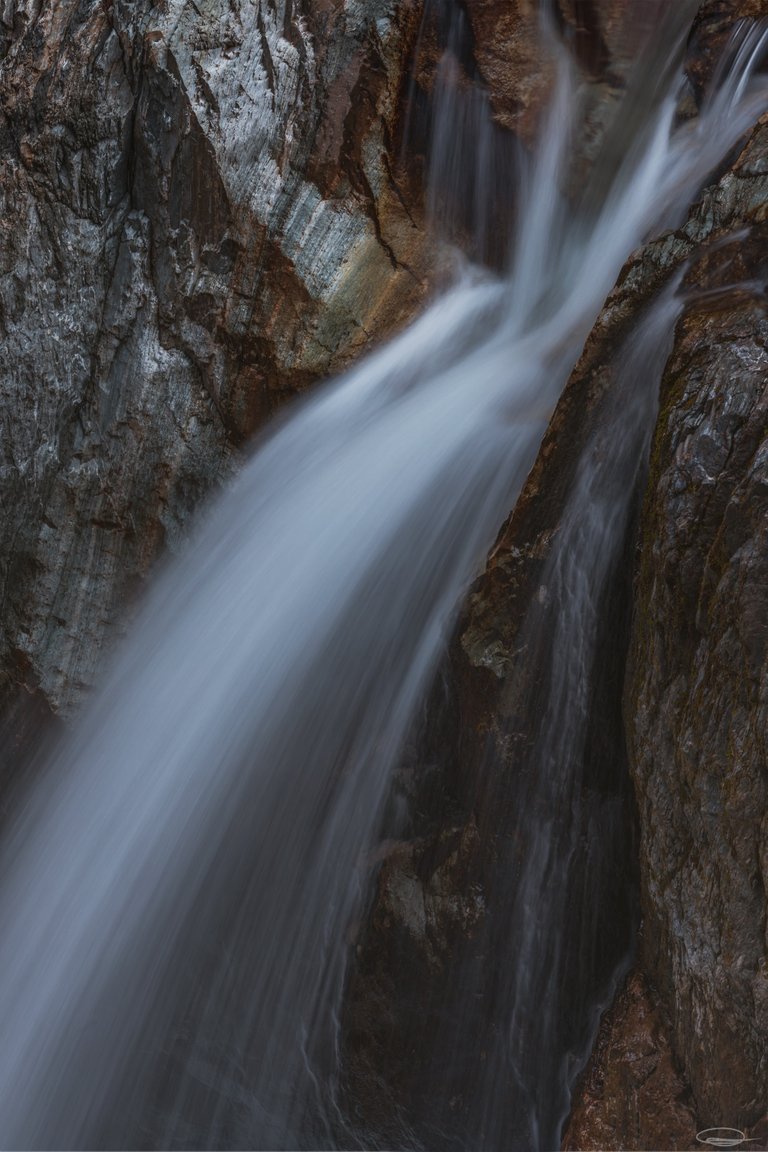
[698, 701]
[695, 714]
[201, 214]
[712, 29]
[688, 1038]
[199, 218]
[602, 35]
[633, 1095]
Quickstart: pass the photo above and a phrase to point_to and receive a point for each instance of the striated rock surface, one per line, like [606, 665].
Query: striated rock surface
[198, 218]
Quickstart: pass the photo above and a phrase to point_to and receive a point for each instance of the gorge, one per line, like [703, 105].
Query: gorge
[358, 834]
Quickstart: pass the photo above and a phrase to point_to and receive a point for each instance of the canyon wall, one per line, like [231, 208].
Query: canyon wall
[689, 1036]
[684, 610]
[198, 218]
[202, 213]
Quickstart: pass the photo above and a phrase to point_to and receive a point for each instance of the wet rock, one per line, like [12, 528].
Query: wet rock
[695, 703]
[711, 31]
[509, 55]
[697, 709]
[199, 217]
[695, 716]
[518, 66]
[477, 769]
[429, 906]
[632, 1094]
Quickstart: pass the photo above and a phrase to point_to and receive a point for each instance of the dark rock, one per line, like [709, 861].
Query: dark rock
[695, 712]
[711, 32]
[697, 704]
[682, 714]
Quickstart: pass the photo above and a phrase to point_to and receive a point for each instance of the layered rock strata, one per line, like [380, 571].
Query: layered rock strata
[199, 218]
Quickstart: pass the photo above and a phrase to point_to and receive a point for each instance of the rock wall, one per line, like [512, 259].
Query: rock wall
[698, 700]
[689, 1035]
[695, 707]
[684, 1046]
[198, 217]
[633, 1095]
[201, 214]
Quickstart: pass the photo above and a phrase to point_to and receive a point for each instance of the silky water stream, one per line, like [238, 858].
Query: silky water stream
[177, 888]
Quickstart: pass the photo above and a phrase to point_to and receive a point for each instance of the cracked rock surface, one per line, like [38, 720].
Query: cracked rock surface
[198, 218]
[698, 702]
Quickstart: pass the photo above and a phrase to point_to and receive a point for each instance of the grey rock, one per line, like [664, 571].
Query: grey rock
[197, 220]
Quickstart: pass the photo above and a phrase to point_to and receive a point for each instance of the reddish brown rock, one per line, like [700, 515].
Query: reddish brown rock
[632, 1095]
[482, 722]
[509, 54]
[697, 709]
[712, 30]
[603, 37]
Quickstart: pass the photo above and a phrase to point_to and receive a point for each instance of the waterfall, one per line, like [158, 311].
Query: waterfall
[524, 995]
[177, 889]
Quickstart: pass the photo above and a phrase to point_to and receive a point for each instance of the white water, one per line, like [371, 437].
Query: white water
[566, 916]
[177, 891]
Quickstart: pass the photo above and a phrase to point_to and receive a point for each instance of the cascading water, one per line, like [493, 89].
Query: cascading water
[177, 890]
[566, 862]
[471, 164]
[518, 1014]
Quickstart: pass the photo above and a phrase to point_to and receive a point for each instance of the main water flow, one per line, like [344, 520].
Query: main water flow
[178, 887]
